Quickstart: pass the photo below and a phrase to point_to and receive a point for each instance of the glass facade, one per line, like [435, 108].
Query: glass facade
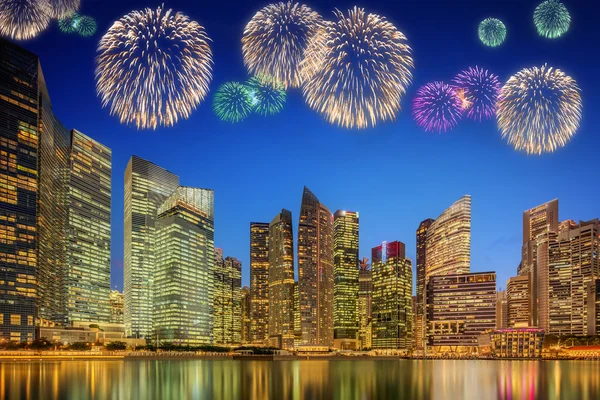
[420, 321]
[281, 281]
[259, 281]
[517, 294]
[365, 293]
[345, 275]
[183, 277]
[116, 307]
[315, 271]
[88, 261]
[227, 314]
[392, 297]
[147, 186]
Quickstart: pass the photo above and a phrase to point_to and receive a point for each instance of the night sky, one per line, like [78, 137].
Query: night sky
[395, 175]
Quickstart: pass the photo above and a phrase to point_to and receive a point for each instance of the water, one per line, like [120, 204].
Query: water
[348, 380]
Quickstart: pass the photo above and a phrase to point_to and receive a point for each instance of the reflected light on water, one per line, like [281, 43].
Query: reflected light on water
[347, 380]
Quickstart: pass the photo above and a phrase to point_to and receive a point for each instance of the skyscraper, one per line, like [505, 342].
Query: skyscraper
[88, 260]
[501, 310]
[116, 307]
[147, 186]
[315, 271]
[420, 321]
[281, 281]
[365, 292]
[448, 244]
[593, 303]
[246, 305]
[227, 311]
[538, 222]
[517, 300]
[184, 259]
[392, 297]
[259, 281]
[345, 278]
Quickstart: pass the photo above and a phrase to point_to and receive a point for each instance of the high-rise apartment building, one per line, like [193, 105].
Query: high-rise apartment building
[88, 255]
[259, 281]
[147, 186]
[420, 307]
[116, 307]
[281, 281]
[246, 306]
[461, 307]
[365, 293]
[501, 309]
[184, 267]
[517, 300]
[345, 278]
[227, 306]
[392, 297]
[315, 271]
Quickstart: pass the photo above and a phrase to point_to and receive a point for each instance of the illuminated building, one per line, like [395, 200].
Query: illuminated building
[501, 310]
[517, 299]
[227, 306]
[184, 265]
[297, 323]
[88, 260]
[365, 292]
[345, 278]
[259, 281]
[538, 222]
[448, 244]
[461, 307]
[281, 281]
[147, 186]
[246, 305]
[517, 343]
[116, 307]
[420, 321]
[392, 297]
[593, 303]
[573, 265]
[315, 271]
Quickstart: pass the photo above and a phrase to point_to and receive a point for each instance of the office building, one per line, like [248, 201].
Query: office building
[392, 297]
[259, 282]
[116, 307]
[345, 278]
[147, 186]
[461, 307]
[593, 304]
[297, 323]
[89, 210]
[365, 293]
[315, 271]
[420, 321]
[281, 281]
[517, 343]
[227, 303]
[184, 273]
[517, 300]
[246, 306]
[501, 309]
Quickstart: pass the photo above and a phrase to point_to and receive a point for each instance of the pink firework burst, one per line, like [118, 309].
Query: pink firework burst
[437, 107]
[480, 89]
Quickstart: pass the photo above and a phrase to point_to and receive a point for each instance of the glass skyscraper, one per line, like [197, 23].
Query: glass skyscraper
[315, 271]
[227, 311]
[420, 307]
[147, 186]
[184, 259]
[259, 282]
[246, 304]
[365, 293]
[345, 278]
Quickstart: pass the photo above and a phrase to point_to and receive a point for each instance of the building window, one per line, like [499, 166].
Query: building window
[15, 319]
[15, 336]
[30, 320]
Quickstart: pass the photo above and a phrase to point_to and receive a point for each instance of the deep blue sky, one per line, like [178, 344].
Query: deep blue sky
[395, 175]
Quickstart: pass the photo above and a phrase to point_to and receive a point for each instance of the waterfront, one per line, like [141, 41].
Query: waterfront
[356, 379]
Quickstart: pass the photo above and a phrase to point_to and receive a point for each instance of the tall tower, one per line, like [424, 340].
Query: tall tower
[315, 271]
[88, 260]
[184, 259]
[259, 282]
[281, 281]
[420, 319]
[365, 293]
[345, 277]
[246, 304]
[392, 297]
[227, 301]
[147, 186]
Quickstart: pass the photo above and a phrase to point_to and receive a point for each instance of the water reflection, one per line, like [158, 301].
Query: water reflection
[347, 380]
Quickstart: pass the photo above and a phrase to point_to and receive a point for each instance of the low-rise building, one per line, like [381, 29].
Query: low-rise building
[517, 343]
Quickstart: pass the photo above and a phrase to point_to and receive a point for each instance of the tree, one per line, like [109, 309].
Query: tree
[41, 344]
[79, 346]
[116, 346]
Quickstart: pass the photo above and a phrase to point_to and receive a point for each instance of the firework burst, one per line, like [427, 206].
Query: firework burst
[69, 24]
[539, 109]
[552, 19]
[360, 66]
[85, 26]
[492, 32]
[24, 19]
[437, 107]
[63, 8]
[233, 102]
[478, 90]
[275, 39]
[268, 95]
[154, 67]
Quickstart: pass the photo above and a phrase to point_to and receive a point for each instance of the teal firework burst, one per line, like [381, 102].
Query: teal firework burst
[267, 94]
[492, 32]
[86, 26]
[552, 19]
[69, 24]
[232, 102]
